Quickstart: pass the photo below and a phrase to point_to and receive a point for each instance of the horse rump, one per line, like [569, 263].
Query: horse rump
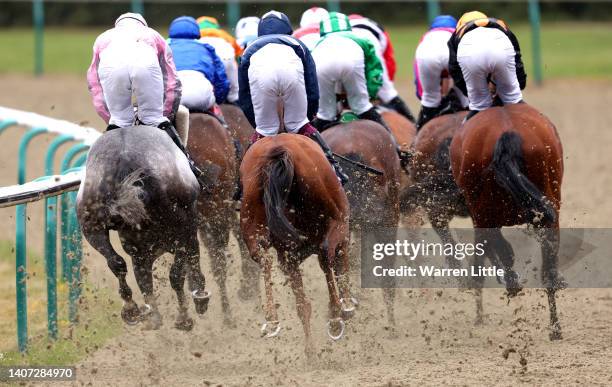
[129, 200]
[278, 175]
[508, 167]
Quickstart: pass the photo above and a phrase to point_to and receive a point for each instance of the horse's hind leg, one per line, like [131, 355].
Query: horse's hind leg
[178, 271]
[292, 270]
[143, 271]
[335, 255]
[271, 327]
[216, 236]
[335, 325]
[197, 283]
[99, 240]
[550, 276]
[249, 283]
[503, 250]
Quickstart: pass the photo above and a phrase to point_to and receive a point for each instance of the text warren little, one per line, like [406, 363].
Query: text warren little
[433, 271]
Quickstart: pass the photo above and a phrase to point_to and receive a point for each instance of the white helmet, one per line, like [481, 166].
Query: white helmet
[313, 16]
[131, 17]
[246, 30]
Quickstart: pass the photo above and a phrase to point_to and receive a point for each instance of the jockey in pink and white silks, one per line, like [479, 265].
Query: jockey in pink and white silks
[310, 22]
[278, 69]
[388, 95]
[431, 69]
[135, 60]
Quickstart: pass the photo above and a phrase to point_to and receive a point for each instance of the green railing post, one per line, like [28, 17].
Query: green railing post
[534, 18]
[21, 274]
[51, 238]
[333, 5]
[38, 16]
[138, 6]
[233, 13]
[433, 9]
[5, 124]
[65, 248]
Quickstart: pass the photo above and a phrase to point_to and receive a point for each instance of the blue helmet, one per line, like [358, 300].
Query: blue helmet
[444, 21]
[184, 27]
[274, 22]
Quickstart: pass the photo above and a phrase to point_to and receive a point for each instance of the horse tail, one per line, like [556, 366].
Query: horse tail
[278, 179]
[508, 166]
[128, 200]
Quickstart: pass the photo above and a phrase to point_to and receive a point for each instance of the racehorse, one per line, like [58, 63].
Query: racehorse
[139, 183]
[508, 163]
[210, 144]
[367, 142]
[293, 201]
[433, 187]
[241, 131]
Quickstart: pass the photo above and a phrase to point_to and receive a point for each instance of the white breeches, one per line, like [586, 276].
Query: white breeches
[340, 62]
[483, 52]
[225, 51]
[198, 93]
[132, 70]
[276, 77]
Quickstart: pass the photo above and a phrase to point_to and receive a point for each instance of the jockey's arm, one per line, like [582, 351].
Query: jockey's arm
[93, 81]
[172, 84]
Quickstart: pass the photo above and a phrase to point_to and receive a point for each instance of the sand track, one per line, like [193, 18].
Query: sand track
[434, 342]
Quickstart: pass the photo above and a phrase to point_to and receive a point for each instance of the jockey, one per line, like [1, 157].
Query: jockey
[431, 68]
[308, 32]
[277, 68]
[226, 47]
[199, 68]
[135, 59]
[246, 30]
[483, 49]
[370, 30]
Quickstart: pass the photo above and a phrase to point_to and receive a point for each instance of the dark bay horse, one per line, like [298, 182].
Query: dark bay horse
[433, 187]
[293, 201]
[508, 163]
[210, 144]
[139, 183]
[241, 131]
[374, 200]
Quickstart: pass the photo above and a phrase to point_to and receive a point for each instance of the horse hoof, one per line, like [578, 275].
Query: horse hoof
[130, 313]
[348, 307]
[270, 329]
[151, 317]
[335, 328]
[555, 335]
[200, 300]
[184, 324]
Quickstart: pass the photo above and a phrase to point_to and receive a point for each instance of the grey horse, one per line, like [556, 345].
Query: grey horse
[139, 183]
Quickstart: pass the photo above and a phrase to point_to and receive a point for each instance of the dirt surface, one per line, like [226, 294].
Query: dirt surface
[434, 342]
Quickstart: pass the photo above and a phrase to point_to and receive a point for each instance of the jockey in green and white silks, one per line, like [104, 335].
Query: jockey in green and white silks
[345, 61]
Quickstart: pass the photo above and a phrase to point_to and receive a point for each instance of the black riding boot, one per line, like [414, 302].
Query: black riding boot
[316, 137]
[321, 125]
[373, 115]
[111, 127]
[167, 127]
[400, 106]
[425, 115]
[470, 114]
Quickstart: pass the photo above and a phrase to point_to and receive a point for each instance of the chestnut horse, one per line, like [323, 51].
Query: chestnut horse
[508, 162]
[209, 143]
[369, 143]
[433, 188]
[293, 201]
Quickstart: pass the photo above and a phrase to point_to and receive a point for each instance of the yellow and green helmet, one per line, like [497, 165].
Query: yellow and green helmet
[335, 22]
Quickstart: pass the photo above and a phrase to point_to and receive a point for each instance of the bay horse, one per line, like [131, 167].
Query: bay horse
[139, 183]
[433, 187]
[293, 201]
[209, 143]
[241, 131]
[371, 144]
[508, 163]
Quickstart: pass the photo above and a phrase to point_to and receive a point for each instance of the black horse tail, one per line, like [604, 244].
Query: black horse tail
[508, 166]
[128, 202]
[278, 179]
